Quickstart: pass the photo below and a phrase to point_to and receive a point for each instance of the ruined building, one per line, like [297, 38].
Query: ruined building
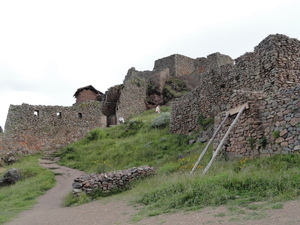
[31, 128]
[267, 80]
[87, 93]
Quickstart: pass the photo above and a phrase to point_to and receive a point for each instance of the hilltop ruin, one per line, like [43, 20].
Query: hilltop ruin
[267, 79]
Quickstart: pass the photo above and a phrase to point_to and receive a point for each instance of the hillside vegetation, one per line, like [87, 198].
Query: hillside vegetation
[21, 196]
[145, 140]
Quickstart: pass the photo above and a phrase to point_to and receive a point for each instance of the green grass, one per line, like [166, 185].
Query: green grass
[273, 179]
[239, 183]
[145, 140]
[23, 195]
[137, 142]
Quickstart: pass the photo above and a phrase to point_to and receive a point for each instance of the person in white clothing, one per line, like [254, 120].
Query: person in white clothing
[157, 110]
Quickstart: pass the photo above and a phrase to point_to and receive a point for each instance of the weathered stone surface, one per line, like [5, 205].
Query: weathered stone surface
[31, 128]
[111, 180]
[267, 79]
[10, 177]
[262, 78]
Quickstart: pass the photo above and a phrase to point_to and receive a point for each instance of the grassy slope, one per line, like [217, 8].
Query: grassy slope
[23, 195]
[134, 143]
[240, 182]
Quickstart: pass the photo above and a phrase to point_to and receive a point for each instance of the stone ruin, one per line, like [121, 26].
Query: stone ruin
[171, 78]
[267, 79]
[108, 182]
[31, 128]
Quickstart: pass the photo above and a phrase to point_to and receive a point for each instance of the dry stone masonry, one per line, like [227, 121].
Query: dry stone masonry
[31, 128]
[143, 90]
[271, 125]
[267, 79]
[107, 182]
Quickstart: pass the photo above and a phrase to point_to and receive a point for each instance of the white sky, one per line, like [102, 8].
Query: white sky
[49, 48]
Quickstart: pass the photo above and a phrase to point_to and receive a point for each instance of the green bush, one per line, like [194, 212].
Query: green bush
[276, 134]
[263, 142]
[205, 122]
[252, 143]
[162, 121]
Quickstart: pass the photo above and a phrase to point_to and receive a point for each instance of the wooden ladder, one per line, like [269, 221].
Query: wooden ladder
[238, 110]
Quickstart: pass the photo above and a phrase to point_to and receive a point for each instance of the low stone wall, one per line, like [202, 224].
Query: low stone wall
[110, 181]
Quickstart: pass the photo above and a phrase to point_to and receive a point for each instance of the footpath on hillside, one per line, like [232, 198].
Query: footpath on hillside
[49, 209]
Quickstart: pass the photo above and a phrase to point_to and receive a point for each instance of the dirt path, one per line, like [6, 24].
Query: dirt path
[48, 210]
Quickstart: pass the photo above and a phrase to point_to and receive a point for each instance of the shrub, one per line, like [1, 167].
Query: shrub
[276, 134]
[263, 142]
[174, 88]
[205, 122]
[162, 121]
[96, 134]
[252, 143]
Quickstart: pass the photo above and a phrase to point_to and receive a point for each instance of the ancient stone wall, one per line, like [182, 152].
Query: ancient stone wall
[271, 125]
[178, 65]
[212, 62]
[109, 103]
[136, 95]
[273, 64]
[132, 98]
[86, 95]
[31, 128]
[143, 89]
[110, 181]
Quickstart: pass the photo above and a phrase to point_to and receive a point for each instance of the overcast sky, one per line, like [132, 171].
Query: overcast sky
[49, 48]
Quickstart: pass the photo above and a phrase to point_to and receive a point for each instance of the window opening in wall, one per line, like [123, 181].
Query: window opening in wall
[58, 114]
[36, 113]
[80, 115]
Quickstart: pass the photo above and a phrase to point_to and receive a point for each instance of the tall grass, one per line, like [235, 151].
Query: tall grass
[135, 143]
[240, 182]
[145, 139]
[34, 182]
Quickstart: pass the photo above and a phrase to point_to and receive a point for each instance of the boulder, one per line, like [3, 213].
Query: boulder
[10, 177]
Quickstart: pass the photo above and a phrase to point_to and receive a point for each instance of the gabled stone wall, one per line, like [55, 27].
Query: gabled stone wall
[31, 128]
[86, 95]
